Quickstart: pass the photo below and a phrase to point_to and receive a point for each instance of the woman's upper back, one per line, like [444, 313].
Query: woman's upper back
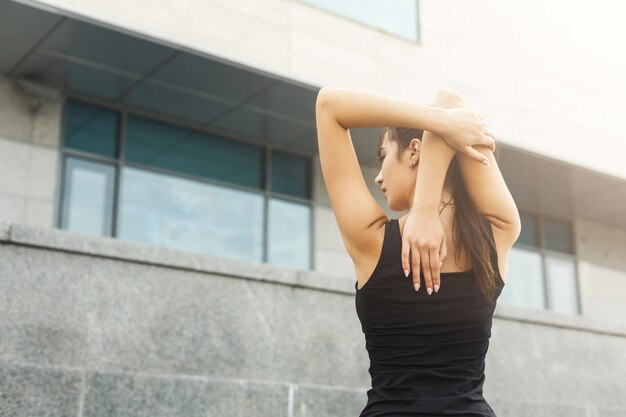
[368, 256]
[389, 262]
[428, 350]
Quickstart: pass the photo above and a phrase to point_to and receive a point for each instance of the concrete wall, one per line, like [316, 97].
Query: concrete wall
[29, 157]
[99, 327]
[602, 269]
[544, 75]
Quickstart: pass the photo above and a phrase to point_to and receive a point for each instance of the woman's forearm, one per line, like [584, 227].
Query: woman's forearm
[354, 108]
[436, 156]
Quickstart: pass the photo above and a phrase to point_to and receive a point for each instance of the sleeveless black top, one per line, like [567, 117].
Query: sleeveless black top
[427, 352]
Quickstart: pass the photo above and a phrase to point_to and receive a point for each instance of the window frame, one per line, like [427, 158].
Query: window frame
[545, 253]
[119, 162]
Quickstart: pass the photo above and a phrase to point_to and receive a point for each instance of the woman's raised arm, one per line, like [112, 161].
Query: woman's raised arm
[354, 108]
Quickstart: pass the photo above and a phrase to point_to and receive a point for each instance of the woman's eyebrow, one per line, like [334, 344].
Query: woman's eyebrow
[382, 147]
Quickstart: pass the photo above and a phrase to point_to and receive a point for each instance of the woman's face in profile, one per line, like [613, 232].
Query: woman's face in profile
[396, 178]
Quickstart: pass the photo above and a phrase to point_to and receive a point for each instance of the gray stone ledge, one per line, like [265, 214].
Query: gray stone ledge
[181, 376]
[63, 240]
[564, 321]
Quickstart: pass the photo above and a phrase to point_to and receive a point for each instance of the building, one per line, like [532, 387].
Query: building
[189, 126]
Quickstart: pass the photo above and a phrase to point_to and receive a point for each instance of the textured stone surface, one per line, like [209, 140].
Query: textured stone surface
[329, 401]
[114, 395]
[27, 391]
[29, 157]
[161, 332]
[125, 250]
[5, 230]
[15, 117]
[308, 345]
[236, 398]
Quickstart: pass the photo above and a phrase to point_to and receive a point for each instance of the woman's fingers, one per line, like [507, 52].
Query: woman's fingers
[406, 248]
[476, 156]
[415, 266]
[489, 139]
[443, 252]
[428, 280]
[434, 270]
[490, 142]
[430, 257]
[411, 261]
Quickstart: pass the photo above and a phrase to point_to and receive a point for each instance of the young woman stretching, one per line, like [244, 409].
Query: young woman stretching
[426, 348]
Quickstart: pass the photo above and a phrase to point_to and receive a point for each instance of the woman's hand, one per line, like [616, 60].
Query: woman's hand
[423, 235]
[463, 128]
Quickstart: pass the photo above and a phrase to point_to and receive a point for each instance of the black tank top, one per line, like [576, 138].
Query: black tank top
[427, 352]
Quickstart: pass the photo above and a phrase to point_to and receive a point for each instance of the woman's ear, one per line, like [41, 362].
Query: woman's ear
[415, 145]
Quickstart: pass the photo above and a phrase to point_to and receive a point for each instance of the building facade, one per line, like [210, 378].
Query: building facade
[189, 126]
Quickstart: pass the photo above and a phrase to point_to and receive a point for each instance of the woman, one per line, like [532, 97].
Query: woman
[426, 349]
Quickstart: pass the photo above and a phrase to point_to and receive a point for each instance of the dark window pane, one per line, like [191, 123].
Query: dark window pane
[289, 235]
[558, 235]
[90, 129]
[88, 197]
[182, 150]
[290, 174]
[190, 215]
[528, 235]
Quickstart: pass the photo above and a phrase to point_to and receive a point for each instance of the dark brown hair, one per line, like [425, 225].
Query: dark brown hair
[469, 227]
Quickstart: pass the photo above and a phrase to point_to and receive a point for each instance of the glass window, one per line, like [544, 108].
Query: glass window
[562, 285]
[290, 174]
[527, 283]
[524, 281]
[558, 235]
[190, 215]
[90, 129]
[88, 197]
[175, 188]
[156, 144]
[528, 235]
[289, 239]
[394, 16]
